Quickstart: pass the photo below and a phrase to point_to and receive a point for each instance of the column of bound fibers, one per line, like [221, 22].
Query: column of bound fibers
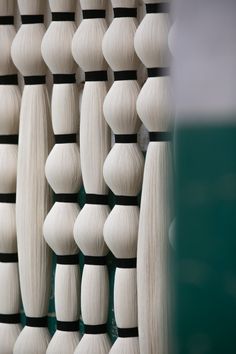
[154, 109]
[63, 173]
[9, 123]
[123, 170]
[33, 196]
[94, 144]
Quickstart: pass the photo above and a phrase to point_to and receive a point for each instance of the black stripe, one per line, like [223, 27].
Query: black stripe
[66, 198]
[126, 200]
[10, 319]
[35, 80]
[68, 326]
[93, 14]
[6, 20]
[9, 139]
[9, 198]
[9, 79]
[126, 263]
[71, 259]
[36, 321]
[95, 329]
[127, 332]
[160, 136]
[8, 257]
[125, 75]
[162, 7]
[63, 16]
[97, 199]
[96, 75]
[158, 72]
[64, 79]
[125, 138]
[92, 260]
[27, 19]
[125, 12]
[65, 138]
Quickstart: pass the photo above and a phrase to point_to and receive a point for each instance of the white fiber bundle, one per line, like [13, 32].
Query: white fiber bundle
[33, 198]
[123, 170]
[94, 144]
[9, 122]
[154, 109]
[64, 175]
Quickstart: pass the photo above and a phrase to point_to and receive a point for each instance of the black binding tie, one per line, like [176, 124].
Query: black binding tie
[160, 136]
[97, 199]
[9, 139]
[9, 198]
[95, 329]
[8, 257]
[128, 332]
[65, 138]
[67, 326]
[161, 7]
[124, 12]
[96, 75]
[10, 319]
[128, 263]
[71, 259]
[93, 260]
[125, 75]
[125, 138]
[66, 198]
[158, 72]
[35, 80]
[37, 321]
[93, 14]
[64, 79]
[63, 16]
[9, 79]
[6, 20]
[30, 19]
[126, 200]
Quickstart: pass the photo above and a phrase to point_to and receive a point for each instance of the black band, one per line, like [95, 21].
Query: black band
[9, 198]
[63, 16]
[66, 198]
[9, 79]
[125, 12]
[95, 329]
[128, 332]
[97, 199]
[64, 79]
[125, 75]
[93, 14]
[27, 19]
[161, 7]
[126, 138]
[9, 139]
[35, 80]
[6, 20]
[158, 72]
[36, 321]
[65, 138]
[68, 326]
[96, 75]
[10, 319]
[91, 260]
[126, 263]
[126, 200]
[9, 257]
[71, 259]
[160, 136]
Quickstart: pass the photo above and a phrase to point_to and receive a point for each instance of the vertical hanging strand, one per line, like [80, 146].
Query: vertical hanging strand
[123, 170]
[95, 144]
[154, 108]
[63, 173]
[9, 123]
[32, 200]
